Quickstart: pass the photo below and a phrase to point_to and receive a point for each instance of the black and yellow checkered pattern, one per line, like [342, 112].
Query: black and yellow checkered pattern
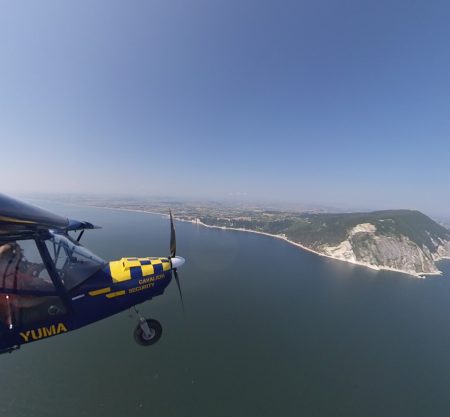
[128, 268]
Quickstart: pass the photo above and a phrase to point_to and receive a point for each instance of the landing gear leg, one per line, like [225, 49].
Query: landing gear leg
[148, 331]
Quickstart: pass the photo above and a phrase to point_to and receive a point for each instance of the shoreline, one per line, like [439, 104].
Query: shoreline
[305, 248]
[421, 275]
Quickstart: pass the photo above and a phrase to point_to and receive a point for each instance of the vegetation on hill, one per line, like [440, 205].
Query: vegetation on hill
[315, 230]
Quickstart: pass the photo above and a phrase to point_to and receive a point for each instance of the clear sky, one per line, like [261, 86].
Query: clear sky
[345, 103]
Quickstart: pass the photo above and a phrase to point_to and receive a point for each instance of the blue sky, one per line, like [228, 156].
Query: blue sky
[344, 103]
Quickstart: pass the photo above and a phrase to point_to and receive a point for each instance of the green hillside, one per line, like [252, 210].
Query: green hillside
[314, 230]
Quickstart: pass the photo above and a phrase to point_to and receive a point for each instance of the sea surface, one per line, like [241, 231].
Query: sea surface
[269, 330]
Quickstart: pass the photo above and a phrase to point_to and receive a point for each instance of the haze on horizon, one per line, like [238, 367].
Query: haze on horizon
[343, 104]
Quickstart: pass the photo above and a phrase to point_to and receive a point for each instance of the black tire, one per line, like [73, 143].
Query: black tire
[156, 332]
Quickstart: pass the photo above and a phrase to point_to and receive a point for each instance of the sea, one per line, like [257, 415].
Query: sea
[268, 330]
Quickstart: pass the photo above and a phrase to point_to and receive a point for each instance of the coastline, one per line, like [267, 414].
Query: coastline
[421, 275]
[305, 248]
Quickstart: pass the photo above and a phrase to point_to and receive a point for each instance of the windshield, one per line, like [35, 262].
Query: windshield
[74, 263]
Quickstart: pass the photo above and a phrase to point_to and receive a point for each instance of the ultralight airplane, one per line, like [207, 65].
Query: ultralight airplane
[50, 284]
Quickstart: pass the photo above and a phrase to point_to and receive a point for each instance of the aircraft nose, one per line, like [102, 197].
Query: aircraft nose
[177, 261]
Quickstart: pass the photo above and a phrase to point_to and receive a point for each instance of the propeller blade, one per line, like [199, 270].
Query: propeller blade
[175, 273]
[173, 240]
[175, 261]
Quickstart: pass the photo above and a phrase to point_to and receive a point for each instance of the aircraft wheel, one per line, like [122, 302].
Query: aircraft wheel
[155, 329]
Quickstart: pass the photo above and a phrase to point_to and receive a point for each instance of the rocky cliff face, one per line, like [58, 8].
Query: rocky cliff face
[367, 245]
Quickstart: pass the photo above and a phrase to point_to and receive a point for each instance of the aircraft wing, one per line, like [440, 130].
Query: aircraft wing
[19, 217]
[77, 225]
[15, 215]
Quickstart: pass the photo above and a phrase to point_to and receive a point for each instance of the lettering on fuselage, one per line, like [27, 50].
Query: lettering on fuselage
[146, 283]
[42, 332]
[151, 279]
[141, 288]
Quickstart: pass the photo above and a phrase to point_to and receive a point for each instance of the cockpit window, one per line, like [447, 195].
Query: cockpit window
[74, 263]
[22, 268]
[27, 293]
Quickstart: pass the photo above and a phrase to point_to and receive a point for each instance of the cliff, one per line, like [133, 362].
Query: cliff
[403, 240]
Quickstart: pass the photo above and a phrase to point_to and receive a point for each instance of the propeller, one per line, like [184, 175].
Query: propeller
[173, 239]
[175, 261]
[175, 273]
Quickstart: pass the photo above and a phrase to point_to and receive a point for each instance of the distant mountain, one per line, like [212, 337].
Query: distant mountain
[402, 240]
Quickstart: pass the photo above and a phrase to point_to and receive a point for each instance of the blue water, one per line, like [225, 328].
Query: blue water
[269, 330]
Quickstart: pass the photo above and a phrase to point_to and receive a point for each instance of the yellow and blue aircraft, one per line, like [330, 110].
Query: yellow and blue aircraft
[50, 284]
